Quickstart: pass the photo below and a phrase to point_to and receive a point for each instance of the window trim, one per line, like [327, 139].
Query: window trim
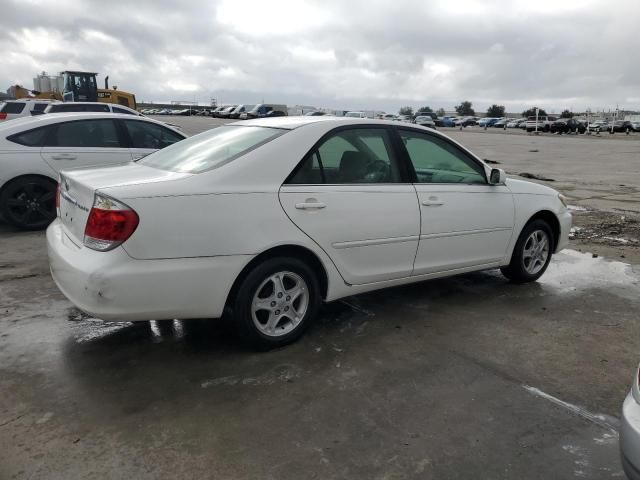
[405, 173]
[409, 164]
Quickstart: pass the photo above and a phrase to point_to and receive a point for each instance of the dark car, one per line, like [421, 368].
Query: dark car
[568, 125]
[621, 126]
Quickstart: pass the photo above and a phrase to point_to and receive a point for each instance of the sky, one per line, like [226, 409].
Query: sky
[344, 54]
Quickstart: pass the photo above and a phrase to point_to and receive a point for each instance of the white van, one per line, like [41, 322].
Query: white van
[266, 110]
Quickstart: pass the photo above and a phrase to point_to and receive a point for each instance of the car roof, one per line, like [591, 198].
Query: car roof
[292, 122]
[46, 119]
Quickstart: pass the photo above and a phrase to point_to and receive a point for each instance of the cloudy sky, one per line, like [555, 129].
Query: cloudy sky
[352, 54]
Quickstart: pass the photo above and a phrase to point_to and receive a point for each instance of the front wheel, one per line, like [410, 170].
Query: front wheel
[532, 253]
[29, 202]
[276, 302]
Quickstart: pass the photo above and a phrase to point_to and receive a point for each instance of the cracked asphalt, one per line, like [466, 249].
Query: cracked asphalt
[465, 377]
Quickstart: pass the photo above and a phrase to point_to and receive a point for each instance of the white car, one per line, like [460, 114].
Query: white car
[80, 107]
[268, 218]
[12, 109]
[33, 150]
[355, 115]
[630, 431]
[425, 121]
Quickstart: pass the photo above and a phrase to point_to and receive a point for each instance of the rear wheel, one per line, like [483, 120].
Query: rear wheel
[29, 202]
[532, 253]
[276, 302]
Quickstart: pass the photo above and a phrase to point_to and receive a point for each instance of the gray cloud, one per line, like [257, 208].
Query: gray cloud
[358, 54]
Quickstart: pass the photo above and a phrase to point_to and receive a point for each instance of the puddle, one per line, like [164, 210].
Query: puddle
[573, 271]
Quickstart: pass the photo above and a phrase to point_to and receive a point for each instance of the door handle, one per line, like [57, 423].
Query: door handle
[310, 205]
[63, 156]
[428, 203]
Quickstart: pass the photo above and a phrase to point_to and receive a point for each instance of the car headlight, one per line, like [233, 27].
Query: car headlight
[564, 200]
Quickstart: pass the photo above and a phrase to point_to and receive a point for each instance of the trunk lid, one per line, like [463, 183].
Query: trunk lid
[78, 188]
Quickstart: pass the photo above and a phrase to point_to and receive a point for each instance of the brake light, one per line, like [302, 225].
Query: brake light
[110, 223]
[3, 116]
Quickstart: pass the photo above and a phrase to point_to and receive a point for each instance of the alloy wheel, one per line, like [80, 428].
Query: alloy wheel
[535, 252]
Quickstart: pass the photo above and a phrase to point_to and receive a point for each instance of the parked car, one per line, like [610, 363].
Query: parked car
[568, 125]
[444, 121]
[465, 121]
[636, 126]
[217, 110]
[75, 107]
[597, 126]
[487, 121]
[135, 242]
[388, 116]
[225, 112]
[33, 150]
[240, 109]
[314, 113]
[425, 121]
[543, 123]
[11, 109]
[501, 122]
[620, 126]
[630, 431]
[264, 109]
[514, 122]
[357, 115]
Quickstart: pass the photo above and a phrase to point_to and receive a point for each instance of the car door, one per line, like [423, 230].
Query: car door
[465, 222]
[351, 196]
[84, 143]
[147, 137]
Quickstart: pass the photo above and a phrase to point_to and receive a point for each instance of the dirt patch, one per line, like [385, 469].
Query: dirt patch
[610, 234]
[535, 177]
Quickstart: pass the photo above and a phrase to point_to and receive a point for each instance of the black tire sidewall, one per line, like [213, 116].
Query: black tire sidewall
[242, 317]
[11, 187]
[516, 271]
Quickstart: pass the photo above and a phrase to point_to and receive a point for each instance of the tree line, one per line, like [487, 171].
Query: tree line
[465, 109]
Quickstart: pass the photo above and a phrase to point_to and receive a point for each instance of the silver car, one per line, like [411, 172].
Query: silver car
[630, 431]
[425, 121]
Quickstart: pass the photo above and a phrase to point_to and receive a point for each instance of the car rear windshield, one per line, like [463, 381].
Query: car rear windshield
[12, 107]
[210, 149]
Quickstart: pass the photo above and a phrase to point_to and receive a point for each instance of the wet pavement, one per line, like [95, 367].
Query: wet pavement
[466, 377]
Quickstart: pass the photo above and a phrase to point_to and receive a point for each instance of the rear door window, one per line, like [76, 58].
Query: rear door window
[31, 138]
[85, 133]
[122, 110]
[13, 107]
[150, 135]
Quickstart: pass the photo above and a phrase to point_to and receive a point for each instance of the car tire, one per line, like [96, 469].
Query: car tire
[529, 261]
[29, 202]
[276, 302]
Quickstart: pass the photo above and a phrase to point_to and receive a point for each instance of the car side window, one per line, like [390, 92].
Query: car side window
[122, 110]
[437, 161]
[353, 156]
[85, 133]
[150, 135]
[96, 108]
[31, 138]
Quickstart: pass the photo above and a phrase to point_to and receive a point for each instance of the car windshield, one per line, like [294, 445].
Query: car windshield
[210, 149]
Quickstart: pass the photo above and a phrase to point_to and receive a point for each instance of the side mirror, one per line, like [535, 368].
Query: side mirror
[497, 176]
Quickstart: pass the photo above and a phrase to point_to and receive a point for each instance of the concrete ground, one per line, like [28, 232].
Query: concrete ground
[466, 377]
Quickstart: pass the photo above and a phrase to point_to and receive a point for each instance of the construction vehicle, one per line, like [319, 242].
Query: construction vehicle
[74, 86]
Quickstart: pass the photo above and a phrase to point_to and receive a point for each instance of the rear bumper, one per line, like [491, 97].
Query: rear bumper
[630, 437]
[113, 286]
[565, 220]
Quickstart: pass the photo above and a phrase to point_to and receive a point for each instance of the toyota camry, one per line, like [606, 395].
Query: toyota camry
[266, 219]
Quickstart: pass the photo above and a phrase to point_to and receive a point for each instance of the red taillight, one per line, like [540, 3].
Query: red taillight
[109, 224]
[3, 116]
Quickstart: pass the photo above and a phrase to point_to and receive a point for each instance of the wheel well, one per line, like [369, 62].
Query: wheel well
[37, 175]
[552, 221]
[296, 251]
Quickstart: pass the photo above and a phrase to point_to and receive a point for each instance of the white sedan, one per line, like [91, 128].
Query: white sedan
[268, 218]
[33, 150]
[630, 431]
